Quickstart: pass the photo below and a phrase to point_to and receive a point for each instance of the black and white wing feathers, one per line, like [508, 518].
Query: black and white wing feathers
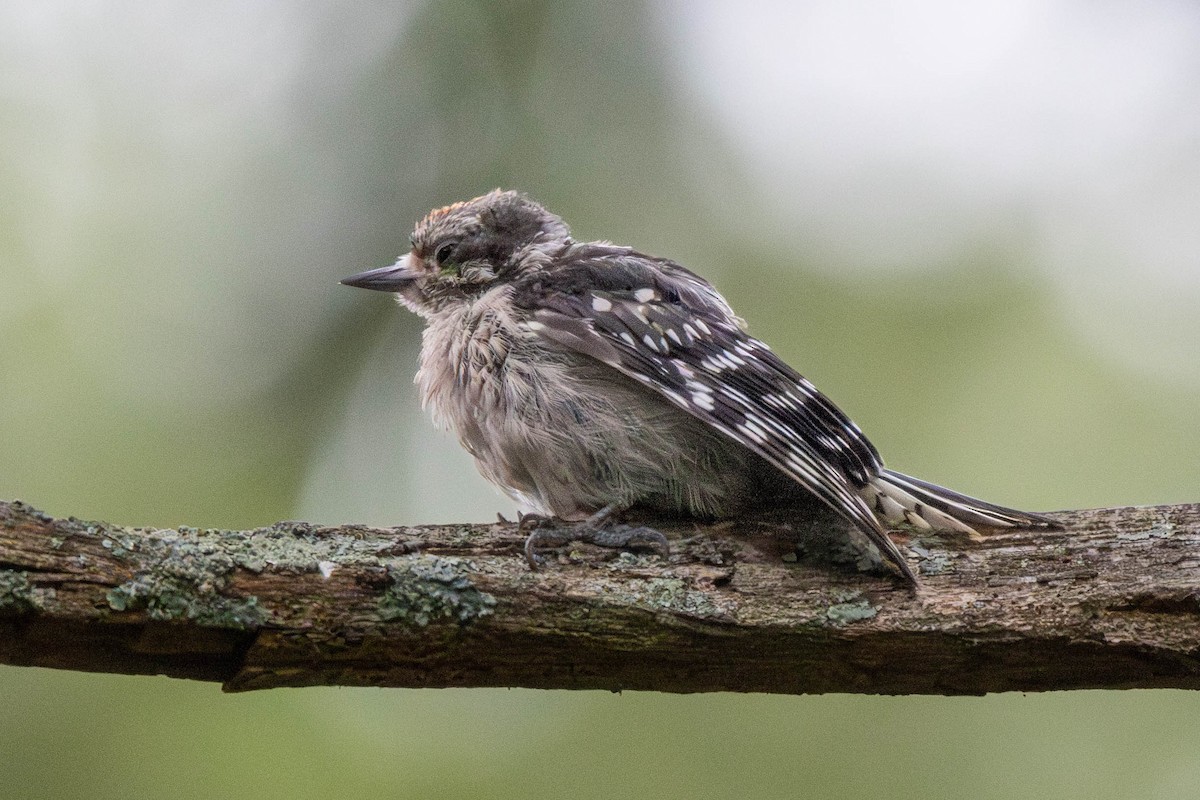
[667, 328]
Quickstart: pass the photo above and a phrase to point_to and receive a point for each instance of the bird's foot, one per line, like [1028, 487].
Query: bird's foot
[594, 530]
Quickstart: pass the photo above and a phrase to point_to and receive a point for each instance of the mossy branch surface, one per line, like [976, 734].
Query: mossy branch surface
[1110, 601]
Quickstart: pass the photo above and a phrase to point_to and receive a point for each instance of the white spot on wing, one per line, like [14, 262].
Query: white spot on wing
[675, 396]
[752, 430]
[601, 303]
[645, 295]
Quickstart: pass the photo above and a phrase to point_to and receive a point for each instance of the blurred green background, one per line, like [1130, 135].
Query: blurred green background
[975, 227]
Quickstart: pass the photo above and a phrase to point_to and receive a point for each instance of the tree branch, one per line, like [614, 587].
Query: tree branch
[1112, 601]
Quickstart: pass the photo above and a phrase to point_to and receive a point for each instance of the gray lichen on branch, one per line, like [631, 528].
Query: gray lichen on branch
[1111, 601]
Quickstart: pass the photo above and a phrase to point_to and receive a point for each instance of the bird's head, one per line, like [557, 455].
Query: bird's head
[464, 249]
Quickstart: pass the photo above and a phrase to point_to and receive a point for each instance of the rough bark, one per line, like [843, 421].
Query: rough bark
[1111, 601]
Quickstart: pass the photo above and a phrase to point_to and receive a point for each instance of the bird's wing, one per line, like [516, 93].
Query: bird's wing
[671, 331]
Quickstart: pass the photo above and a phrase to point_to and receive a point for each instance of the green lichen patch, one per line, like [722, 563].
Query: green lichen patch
[193, 568]
[121, 543]
[671, 593]
[427, 589]
[188, 582]
[179, 599]
[1163, 530]
[676, 595]
[17, 593]
[933, 562]
[850, 607]
[301, 547]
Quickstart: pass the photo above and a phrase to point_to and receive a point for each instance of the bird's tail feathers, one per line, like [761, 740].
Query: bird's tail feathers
[896, 498]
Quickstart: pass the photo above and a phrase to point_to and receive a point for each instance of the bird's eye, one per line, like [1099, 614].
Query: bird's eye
[444, 253]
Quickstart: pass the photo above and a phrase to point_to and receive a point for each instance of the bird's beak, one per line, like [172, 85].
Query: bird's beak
[386, 279]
